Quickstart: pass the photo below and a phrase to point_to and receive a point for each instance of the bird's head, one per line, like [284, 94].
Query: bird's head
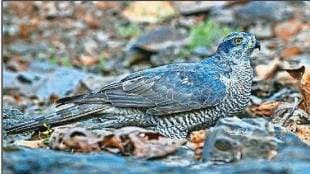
[239, 45]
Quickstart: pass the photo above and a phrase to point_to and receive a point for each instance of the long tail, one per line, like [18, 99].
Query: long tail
[63, 116]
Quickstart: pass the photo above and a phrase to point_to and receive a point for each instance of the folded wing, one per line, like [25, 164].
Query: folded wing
[161, 91]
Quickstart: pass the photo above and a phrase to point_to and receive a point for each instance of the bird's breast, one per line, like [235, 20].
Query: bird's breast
[238, 89]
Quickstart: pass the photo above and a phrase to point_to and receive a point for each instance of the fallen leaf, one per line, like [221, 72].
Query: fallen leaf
[127, 141]
[153, 148]
[141, 143]
[148, 11]
[302, 74]
[88, 60]
[105, 5]
[294, 119]
[265, 72]
[303, 132]
[74, 138]
[290, 52]
[91, 21]
[198, 139]
[265, 109]
[17, 64]
[287, 29]
[31, 144]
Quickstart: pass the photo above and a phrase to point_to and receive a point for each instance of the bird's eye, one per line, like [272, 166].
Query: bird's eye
[238, 41]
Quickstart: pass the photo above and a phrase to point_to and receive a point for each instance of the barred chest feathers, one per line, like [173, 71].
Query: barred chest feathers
[239, 83]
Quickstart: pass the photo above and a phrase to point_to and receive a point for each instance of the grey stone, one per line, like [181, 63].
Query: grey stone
[233, 139]
[263, 10]
[194, 7]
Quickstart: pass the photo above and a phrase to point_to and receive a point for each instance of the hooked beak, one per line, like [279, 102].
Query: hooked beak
[257, 45]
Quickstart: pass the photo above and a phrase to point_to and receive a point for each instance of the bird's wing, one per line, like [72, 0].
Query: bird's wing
[161, 91]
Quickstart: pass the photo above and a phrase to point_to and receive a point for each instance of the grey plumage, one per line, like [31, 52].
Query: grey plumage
[173, 99]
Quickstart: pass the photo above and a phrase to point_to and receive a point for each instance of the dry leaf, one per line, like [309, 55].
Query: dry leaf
[140, 143]
[287, 29]
[105, 5]
[88, 60]
[91, 21]
[265, 72]
[74, 138]
[302, 74]
[31, 144]
[127, 141]
[290, 52]
[153, 148]
[303, 132]
[198, 139]
[148, 11]
[294, 119]
[265, 109]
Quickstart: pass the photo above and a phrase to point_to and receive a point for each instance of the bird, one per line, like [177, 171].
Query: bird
[173, 99]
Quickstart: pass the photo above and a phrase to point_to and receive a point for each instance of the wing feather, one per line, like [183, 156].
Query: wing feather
[164, 90]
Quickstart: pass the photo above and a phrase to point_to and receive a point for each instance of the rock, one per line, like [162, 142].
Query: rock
[165, 57]
[296, 157]
[43, 80]
[267, 11]
[23, 48]
[152, 42]
[262, 31]
[9, 81]
[233, 139]
[42, 161]
[187, 21]
[194, 7]
[25, 160]
[101, 36]
[303, 59]
[93, 83]
[223, 16]
[158, 39]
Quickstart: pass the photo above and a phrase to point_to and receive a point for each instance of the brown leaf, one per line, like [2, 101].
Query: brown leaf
[265, 72]
[88, 60]
[127, 141]
[105, 5]
[265, 109]
[198, 139]
[91, 21]
[287, 29]
[153, 148]
[17, 64]
[303, 132]
[294, 119]
[31, 144]
[290, 52]
[302, 74]
[74, 138]
[148, 11]
[140, 143]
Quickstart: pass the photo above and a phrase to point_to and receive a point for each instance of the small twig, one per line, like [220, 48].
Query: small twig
[278, 94]
[296, 103]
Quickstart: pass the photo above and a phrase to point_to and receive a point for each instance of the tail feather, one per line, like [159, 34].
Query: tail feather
[63, 116]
